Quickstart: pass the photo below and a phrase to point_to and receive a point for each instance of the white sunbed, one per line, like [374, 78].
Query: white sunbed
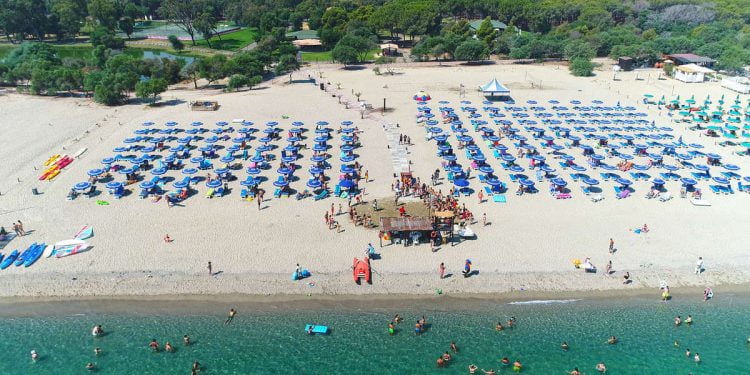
[665, 196]
[597, 198]
[700, 202]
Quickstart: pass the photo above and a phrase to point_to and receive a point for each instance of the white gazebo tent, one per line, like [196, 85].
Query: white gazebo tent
[494, 87]
[739, 84]
[691, 73]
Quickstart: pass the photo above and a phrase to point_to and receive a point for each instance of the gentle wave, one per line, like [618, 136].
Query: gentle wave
[543, 301]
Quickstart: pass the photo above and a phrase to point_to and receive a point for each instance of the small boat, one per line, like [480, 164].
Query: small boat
[71, 250]
[312, 328]
[85, 233]
[52, 249]
[361, 270]
[9, 260]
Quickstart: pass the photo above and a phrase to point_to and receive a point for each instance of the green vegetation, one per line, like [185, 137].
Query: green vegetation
[231, 41]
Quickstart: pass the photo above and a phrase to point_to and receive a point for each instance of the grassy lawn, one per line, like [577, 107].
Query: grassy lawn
[325, 56]
[232, 41]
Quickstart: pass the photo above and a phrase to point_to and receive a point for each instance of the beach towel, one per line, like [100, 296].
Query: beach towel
[102, 203]
[499, 198]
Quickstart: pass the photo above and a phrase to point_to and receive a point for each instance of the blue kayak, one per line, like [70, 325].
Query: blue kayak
[9, 260]
[35, 255]
[21, 258]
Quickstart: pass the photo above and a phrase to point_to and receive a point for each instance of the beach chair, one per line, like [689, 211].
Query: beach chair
[337, 191]
[575, 177]
[624, 193]
[90, 192]
[496, 154]
[220, 192]
[244, 194]
[604, 176]
[665, 196]
[119, 192]
[277, 193]
[635, 175]
[513, 178]
[322, 195]
[563, 165]
[488, 191]
[505, 166]
[499, 198]
[143, 194]
[586, 190]
[481, 178]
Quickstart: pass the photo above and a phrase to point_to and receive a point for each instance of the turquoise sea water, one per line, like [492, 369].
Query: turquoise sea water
[266, 342]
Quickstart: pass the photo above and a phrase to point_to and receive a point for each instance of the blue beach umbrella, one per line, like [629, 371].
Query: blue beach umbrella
[721, 180]
[253, 171]
[213, 184]
[146, 185]
[284, 170]
[590, 181]
[197, 159]
[108, 161]
[347, 169]
[180, 184]
[189, 171]
[313, 183]
[315, 170]
[249, 182]
[114, 185]
[95, 172]
[158, 171]
[559, 181]
[317, 158]
[227, 158]
[461, 183]
[82, 186]
[347, 184]
[688, 181]
[126, 171]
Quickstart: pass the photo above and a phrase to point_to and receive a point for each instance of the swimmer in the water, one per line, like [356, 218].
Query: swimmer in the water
[398, 319]
[90, 366]
[564, 345]
[697, 358]
[154, 345]
[511, 321]
[454, 348]
[97, 331]
[575, 372]
[677, 320]
[505, 361]
[689, 320]
[97, 351]
[186, 340]
[422, 321]
[168, 347]
[391, 328]
[232, 313]
[601, 367]
[517, 366]
[488, 372]
[676, 344]
[417, 328]
[34, 355]
[687, 353]
[447, 357]
[440, 362]
[196, 366]
[499, 326]
[472, 369]
[612, 340]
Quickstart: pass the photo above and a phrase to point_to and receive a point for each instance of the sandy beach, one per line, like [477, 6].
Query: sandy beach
[528, 245]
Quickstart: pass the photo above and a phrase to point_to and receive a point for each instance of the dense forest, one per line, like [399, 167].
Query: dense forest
[577, 30]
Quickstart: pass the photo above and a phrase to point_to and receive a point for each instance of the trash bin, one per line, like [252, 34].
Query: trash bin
[322, 87]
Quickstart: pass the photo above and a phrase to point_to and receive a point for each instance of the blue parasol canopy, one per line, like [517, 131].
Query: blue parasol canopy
[590, 181]
[189, 171]
[461, 183]
[213, 184]
[82, 185]
[346, 183]
[253, 171]
[96, 172]
[180, 184]
[147, 185]
[114, 185]
[313, 183]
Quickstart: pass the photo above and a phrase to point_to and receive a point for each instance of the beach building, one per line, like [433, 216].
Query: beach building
[691, 73]
[497, 25]
[493, 88]
[739, 84]
[307, 40]
[689, 58]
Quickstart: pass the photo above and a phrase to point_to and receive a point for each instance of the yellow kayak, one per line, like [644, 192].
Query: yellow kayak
[52, 159]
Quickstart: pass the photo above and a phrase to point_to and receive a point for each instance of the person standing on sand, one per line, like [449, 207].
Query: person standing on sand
[20, 228]
[699, 266]
[611, 246]
[608, 270]
[210, 270]
[480, 195]
[442, 270]
[626, 278]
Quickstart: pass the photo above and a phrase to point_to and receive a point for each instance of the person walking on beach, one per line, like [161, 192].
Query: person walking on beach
[480, 195]
[230, 318]
[699, 266]
[20, 228]
[442, 270]
[484, 219]
[15, 229]
[611, 246]
[210, 270]
[608, 270]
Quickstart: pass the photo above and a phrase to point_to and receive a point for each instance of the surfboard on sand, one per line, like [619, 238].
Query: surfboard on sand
[85, 233]
[80, 152]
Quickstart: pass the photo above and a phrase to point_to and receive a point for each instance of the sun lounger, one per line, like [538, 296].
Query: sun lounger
[220, 192]
[143, 194]
[665, 196]
[574, 177]
[586, 190]
[604, 176]
[597, 197]
[488, 190]
[496, 154]
[513, 178]
[277, 193]
[481, 178]
[635, 175]
[337, 191]
[90, 192]
[715, 189]
[210, 193]
[499, 198]
[244, 194]
[323, 194]
[563, 165]
[624, 193]
[700, 202]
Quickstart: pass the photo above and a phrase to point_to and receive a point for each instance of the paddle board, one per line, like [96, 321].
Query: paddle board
[80, 152]
[316, 328]
[35, 255]
[9, 260]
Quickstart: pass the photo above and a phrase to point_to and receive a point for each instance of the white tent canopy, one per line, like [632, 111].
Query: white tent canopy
[494, 87]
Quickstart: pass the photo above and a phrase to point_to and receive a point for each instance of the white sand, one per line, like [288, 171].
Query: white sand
[529, 244]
